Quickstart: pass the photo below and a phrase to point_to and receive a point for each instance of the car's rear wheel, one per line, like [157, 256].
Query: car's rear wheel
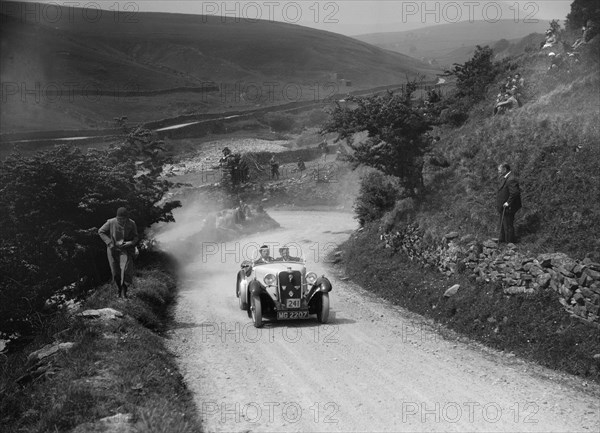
[323, 308]
[256, 308]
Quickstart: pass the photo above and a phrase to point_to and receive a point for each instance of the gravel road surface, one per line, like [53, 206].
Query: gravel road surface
[374, 367]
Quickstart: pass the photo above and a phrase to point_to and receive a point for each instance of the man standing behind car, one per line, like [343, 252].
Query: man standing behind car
[508, 202]
[120, 236]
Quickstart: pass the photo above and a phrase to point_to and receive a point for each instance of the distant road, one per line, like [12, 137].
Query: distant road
[178, 127]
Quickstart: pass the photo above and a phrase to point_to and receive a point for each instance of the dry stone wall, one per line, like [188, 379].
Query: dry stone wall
[577, 282]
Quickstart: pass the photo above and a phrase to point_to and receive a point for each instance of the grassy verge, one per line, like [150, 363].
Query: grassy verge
[117, 366]
[534, 327]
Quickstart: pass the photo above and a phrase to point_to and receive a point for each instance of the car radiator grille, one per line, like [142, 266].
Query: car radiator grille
[290, 285]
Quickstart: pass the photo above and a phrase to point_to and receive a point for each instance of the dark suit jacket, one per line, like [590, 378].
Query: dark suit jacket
[509, 192]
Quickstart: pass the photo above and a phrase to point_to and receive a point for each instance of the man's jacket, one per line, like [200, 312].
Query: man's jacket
[108, 232]
[509, 192]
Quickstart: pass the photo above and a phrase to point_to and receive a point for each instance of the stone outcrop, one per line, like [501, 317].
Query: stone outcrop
[49, 350]
[119, 423]
[40, 362]
[101, 314]
[577, 282]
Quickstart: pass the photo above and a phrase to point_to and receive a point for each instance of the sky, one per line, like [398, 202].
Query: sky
[348, 17]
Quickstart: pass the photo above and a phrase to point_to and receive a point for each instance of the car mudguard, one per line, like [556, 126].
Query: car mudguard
[324, 285]
[242, 291]
[254, 288]
[321, 285]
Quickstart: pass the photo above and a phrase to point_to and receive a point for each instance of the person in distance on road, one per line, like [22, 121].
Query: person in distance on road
[120, 236]
[301, 166]
[274, 167]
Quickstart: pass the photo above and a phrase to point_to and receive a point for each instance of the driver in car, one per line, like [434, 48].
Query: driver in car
[285, 255]
[264, 256]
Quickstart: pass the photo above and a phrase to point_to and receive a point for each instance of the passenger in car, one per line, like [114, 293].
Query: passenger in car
[285, 255]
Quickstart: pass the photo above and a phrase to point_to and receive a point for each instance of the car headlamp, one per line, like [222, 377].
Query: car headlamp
[311, 278]
[269, 279]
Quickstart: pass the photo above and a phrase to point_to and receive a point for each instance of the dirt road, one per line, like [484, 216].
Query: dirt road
[374, 367]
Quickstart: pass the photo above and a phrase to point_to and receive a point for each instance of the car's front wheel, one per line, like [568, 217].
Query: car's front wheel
[256, 308]
[323, 308]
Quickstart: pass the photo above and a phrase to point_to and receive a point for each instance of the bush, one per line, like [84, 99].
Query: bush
[403, 212]
[378, 194]
[53, 204]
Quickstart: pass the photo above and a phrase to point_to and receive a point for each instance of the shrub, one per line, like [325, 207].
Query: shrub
[378, 194]
[403, 211]
[53, 204]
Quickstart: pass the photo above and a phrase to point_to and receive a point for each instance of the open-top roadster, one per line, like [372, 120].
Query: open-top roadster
[281, 289]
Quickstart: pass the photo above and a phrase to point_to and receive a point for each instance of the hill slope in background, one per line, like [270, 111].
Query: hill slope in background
[166, 51]
[503, 48]
[452, 43]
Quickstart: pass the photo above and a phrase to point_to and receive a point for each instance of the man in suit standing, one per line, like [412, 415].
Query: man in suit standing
[508, 202]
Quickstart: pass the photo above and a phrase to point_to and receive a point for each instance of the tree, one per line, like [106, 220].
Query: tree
[473, 77]
[583, 11]
[395, 143]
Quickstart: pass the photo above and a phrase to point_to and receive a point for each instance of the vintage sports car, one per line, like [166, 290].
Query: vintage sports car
[281, 289]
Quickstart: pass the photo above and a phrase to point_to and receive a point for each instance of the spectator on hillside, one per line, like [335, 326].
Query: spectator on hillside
[499, 98]
[556, 62]
[508, 202]
[508, 102]
[519, 81]
[274, 167]
[120, 236]
[516, 94]
[588, 32]
[551, 39]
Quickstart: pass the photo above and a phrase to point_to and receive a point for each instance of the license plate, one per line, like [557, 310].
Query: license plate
[293, 303]
[289, 315]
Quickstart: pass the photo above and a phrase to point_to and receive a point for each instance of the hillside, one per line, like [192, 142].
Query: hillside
[439, 255]
[551, 143]
[109, 68]
[452, 43]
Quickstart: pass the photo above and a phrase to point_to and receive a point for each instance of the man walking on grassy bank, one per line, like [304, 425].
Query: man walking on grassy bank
[508, 202]
[120, 236]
